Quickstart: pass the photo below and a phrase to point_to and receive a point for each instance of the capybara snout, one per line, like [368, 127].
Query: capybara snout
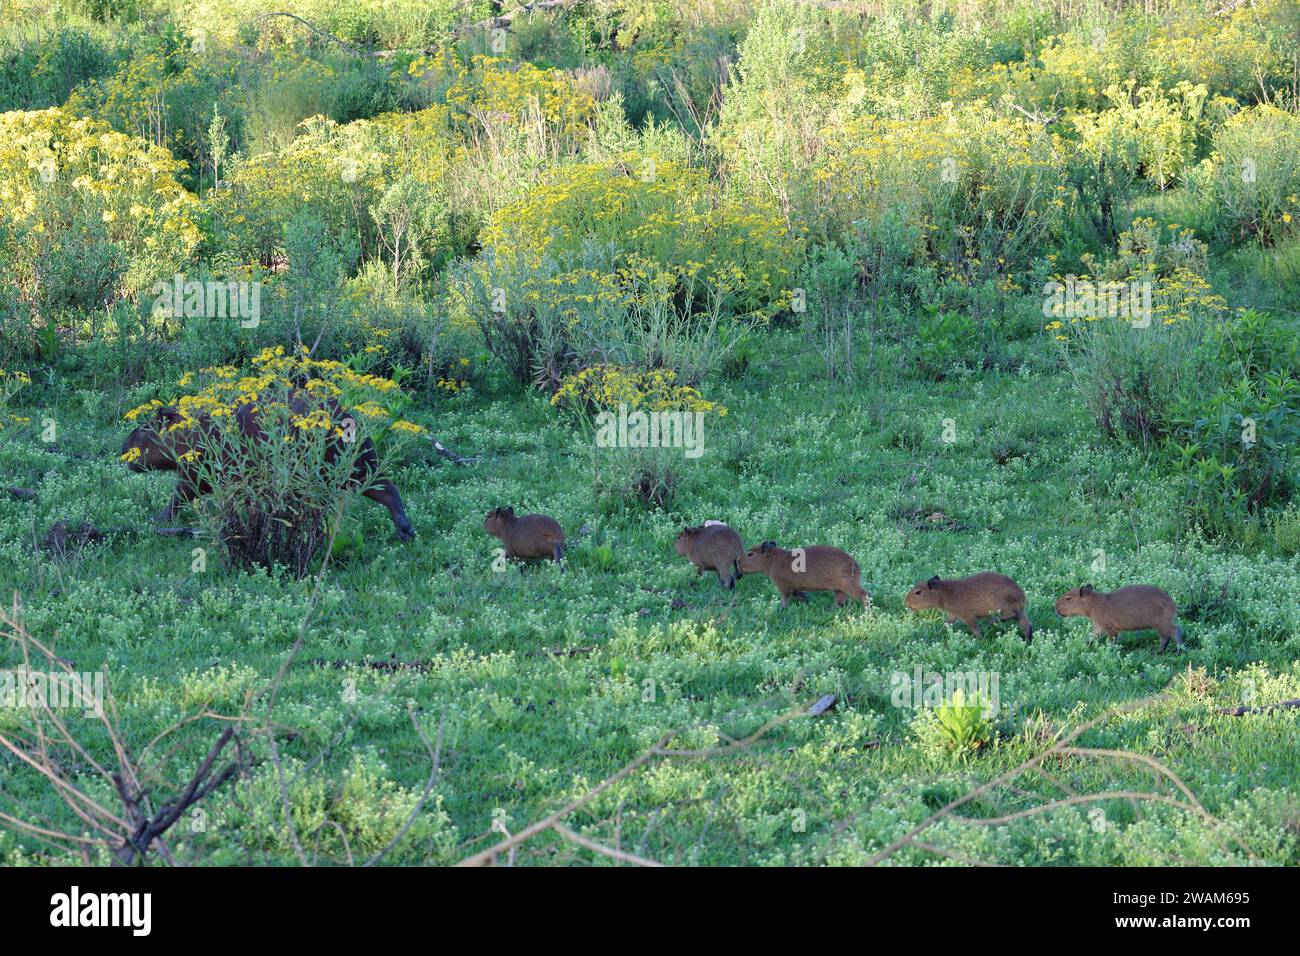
[968, 599]
[1138, 607]
[526, 537]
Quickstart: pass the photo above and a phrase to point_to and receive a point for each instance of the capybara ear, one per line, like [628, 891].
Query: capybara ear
[508, 512]
[169, 415]
[767, 546]
[1086, 589]
[933, 582]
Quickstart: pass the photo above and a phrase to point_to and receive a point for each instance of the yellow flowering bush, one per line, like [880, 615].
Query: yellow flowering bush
[1252, 178]
[1069, 72]
[11, 383]
[643, 467]
[1131, 363]
[608, 386]
[275, 492]
[1147, 130]
[341, 173]
[520, 93]
[657, 210]
[977, 192]
[83, 205]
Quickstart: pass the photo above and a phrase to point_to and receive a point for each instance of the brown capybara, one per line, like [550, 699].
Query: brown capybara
[1138, 607]
[526, 536]
[712, 546]
[162, 447]
[969, 599]
[814, 568]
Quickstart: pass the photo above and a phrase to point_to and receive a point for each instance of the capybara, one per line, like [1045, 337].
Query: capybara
[1138, 607]
[712, 546]
[969, 599]
[526, 536]
[814, 568]
[164, 449]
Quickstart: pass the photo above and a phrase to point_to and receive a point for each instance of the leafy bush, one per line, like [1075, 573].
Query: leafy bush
[11, 383]
[347, 175]
[93, 215]
[642, 471]
[1253, 176]
[1131, 367]
[1148, 131]
[275, 492]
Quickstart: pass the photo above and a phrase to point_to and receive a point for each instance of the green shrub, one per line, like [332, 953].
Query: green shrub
[1253, 176]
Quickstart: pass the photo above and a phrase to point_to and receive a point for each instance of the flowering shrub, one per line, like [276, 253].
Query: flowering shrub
[640, 261]
[643, 469]
[11, 383]
[275, 489]
[1130, 366]
[91, 215]
[1252, 178]
[658, 211]
[608, 386]
[977, 192]
[1146, 130]
[346, 175]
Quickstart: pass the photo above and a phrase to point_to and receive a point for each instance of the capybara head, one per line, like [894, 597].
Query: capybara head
[497, 519]
[154, 452]
[684, 539]
[1075, 603]
[924, 595]
[755, 559]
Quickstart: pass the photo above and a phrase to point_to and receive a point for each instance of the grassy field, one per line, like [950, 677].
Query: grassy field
[546, 680]
[833, 231]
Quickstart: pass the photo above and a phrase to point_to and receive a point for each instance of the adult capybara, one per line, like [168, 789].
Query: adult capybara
[526, 536]
[1138, 607]
[712, 546]
[164, 449]
[814, 568]
[969, 599]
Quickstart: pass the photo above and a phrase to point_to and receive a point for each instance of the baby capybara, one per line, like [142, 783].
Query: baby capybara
[969, 599]
[712, 546]
[814, 568]
[526, 536]
[1138, 607]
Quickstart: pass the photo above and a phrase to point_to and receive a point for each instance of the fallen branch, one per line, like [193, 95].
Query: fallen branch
[451, 456]
[22, 494]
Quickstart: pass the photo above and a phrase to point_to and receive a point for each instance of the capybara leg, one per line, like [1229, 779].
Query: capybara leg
[973, 624]
[1176, 633]
[184, 494]
[736, 573]
[840, 598]
[558, 554]
[1026, 628]
[785, 598]
[726, 579]
[385, 492]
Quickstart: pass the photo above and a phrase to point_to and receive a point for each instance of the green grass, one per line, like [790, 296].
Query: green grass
[1029, 488]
